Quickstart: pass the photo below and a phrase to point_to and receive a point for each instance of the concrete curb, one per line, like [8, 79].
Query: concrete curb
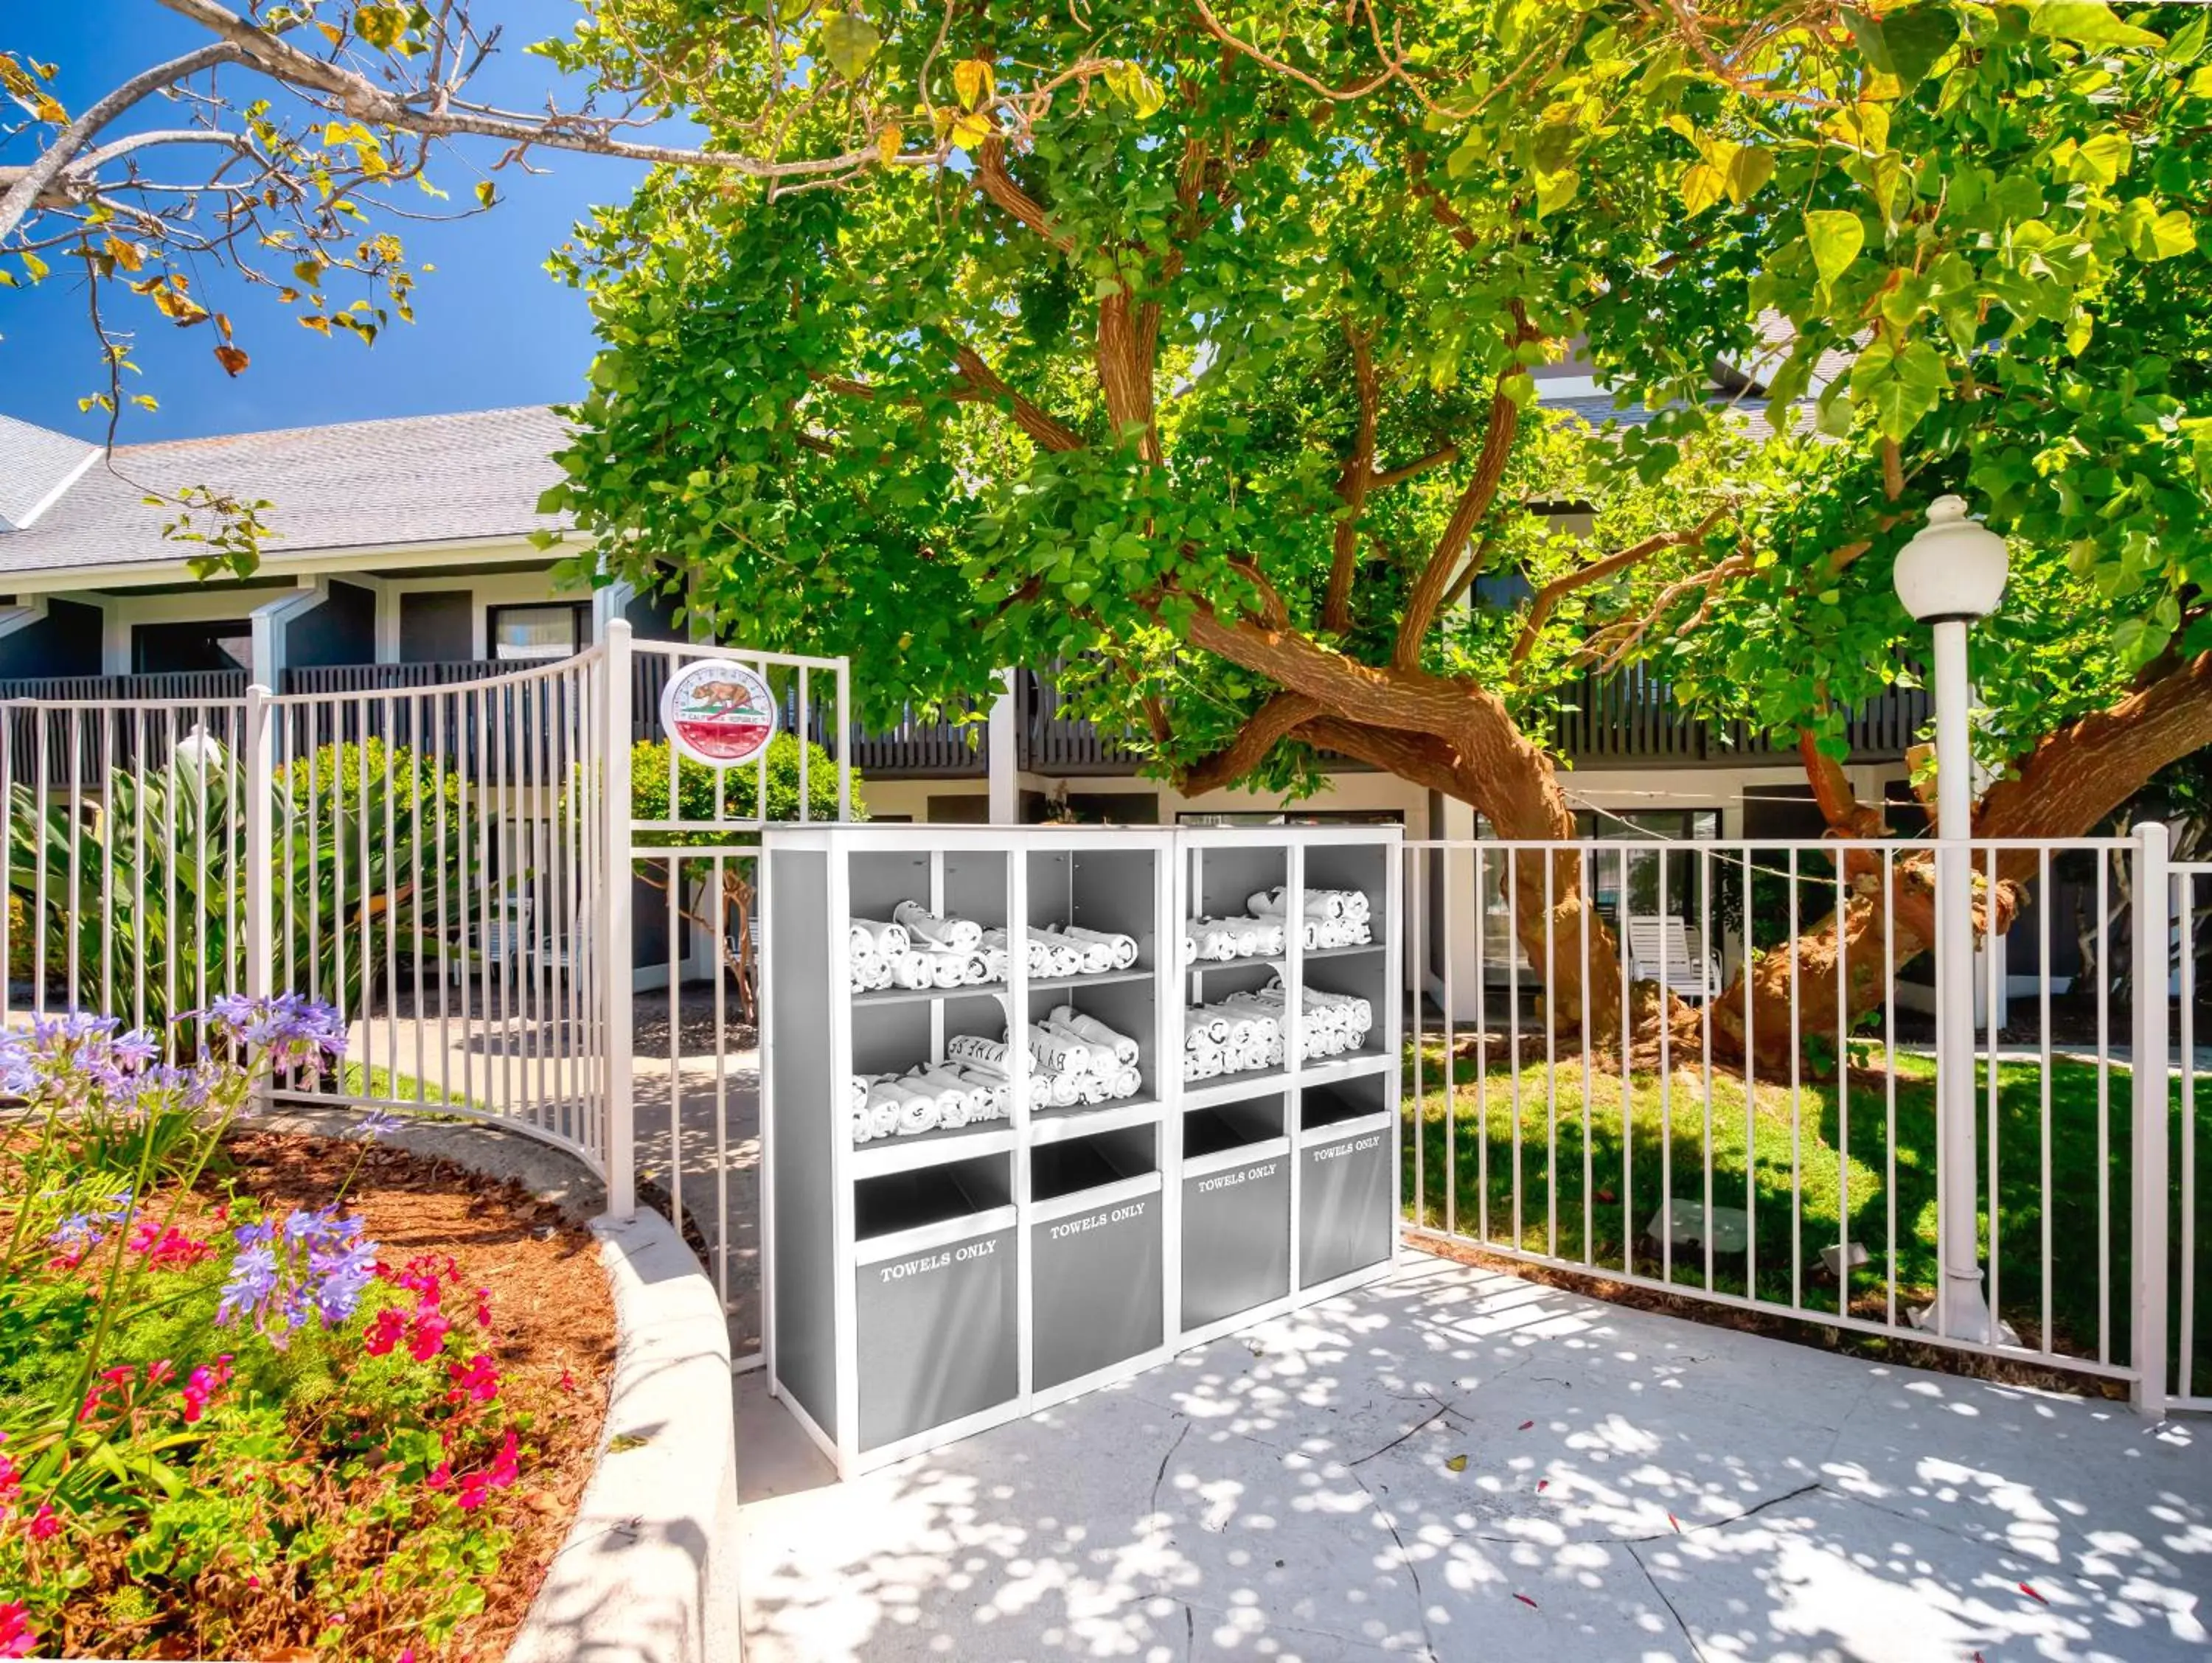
[649, 1571]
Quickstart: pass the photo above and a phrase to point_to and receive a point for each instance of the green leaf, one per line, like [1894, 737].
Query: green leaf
[1748, 170]
[2087, 23]
[2151, 235]
[1837, 238]
[1703, 185]
[850, 42]
[1905, 44]
[1555, 191]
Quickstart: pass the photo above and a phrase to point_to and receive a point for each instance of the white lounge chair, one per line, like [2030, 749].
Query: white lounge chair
[1669, 951]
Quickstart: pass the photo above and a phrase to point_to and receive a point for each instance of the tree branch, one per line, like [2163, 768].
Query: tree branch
[992, 179]
[1266, 727]
[42, 172]
[1435, 459]
[1559, 589]
[1047, 429]
[1838, 803]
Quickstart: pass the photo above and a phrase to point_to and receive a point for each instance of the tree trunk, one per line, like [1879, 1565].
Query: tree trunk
[2070, 783]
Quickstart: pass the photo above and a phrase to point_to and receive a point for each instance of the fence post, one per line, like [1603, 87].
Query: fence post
[2152, 1113]
[259, 750]
[616, 954]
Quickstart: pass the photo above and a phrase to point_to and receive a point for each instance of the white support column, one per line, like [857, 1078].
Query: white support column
[257, 750]
[609, 602]
[1004, 754]
[616, 946]
[2153, 903]
[272, 619]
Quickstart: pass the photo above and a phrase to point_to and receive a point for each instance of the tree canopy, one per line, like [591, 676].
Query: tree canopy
[1203, 360]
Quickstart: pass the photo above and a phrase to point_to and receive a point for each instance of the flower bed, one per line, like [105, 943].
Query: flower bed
[266, 1395]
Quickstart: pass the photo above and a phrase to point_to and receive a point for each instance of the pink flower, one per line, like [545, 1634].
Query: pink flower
[16, 1635]
[477, 1487]
[46, 1524]
[161, 1373]
[201, 1388]
[167, 1249]
[428, 1337]
[385, 1332]
[11, 1481]
[478, 1381]
[440, 1476]
[484, 1308]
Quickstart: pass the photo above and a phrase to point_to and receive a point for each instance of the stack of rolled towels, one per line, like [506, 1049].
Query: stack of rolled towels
[1245, 1031]
[1074, 1059]
[1330, 917]
[1056, 950]
[915, 949]
[1327, 918]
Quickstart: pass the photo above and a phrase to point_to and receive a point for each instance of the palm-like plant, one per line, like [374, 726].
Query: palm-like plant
[138, 900]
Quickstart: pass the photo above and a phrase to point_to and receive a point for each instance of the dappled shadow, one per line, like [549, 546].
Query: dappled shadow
[1460, 1465]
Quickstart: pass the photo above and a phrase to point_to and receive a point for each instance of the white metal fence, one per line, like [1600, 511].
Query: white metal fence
[1771, 1140]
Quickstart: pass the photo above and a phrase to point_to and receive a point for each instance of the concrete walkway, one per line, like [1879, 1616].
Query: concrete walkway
[1462, 1466]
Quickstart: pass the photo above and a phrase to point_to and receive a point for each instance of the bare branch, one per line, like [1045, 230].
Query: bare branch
[1559, 589]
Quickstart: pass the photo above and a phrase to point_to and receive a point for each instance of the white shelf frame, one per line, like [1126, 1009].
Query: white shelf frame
[1178, 855]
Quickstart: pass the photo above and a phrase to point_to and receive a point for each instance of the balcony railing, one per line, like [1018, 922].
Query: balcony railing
[127, 722]
[1625, 719]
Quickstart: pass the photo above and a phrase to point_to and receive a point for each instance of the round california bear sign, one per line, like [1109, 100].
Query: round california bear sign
[718, 712]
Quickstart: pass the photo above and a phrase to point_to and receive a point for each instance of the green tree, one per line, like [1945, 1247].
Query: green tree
[718, 897]
[1202, 358]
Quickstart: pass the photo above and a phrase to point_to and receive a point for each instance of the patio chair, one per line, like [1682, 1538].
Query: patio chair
[1669, 951]
[503, 939]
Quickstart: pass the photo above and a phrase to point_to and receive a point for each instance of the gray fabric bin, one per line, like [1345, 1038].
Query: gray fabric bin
[1236, 1240]
[1346, 1200]
[1095, 1276]
[937, 1335]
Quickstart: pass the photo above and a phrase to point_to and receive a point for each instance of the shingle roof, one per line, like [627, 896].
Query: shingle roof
[352, 485]
[35, 465]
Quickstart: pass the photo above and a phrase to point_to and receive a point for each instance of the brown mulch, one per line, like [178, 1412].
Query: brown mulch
[549, 1297]
[1798, 1331]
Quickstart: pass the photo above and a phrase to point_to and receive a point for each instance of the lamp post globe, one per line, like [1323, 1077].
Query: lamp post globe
[1954, 567]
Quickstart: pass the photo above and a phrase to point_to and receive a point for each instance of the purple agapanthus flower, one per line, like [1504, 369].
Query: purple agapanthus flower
[136, 1049]
[81, 1232]
[313, 1266]
[377, 1124]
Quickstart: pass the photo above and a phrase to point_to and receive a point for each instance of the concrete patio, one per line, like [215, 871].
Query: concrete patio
[1458, 1464]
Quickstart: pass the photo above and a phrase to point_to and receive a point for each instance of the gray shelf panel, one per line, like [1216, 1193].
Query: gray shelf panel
[1227, 1087]
[884, 1154]
[1313, 953]
[1052, 1125]
[1077, 984]
[923, 995]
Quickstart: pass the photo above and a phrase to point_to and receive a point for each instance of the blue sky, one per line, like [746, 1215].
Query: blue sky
[491, 327]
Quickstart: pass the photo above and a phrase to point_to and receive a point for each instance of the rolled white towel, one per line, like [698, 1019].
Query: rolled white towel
[1061, 1053]
[1121, 950]
[1206, 1023]
[974, 1049]
[1128, 1082]
[959, 935]
[858, 1119]
[880, 936]
[1094, 955]
[918, 1114]
[1124, 1048]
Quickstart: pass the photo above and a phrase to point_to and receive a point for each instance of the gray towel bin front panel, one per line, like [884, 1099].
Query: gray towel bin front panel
[937, 1337]
[1236, 1240]
[1345, 1201]
[1096, 1278]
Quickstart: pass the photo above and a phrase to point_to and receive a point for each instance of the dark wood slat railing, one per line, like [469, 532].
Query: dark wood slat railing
[78, 747]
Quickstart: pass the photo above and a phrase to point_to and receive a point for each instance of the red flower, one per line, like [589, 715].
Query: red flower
[567, 1381]
[16, 1635]
[161, 1373]
[167, 1249]
[428, 1337]
[484, 1308]
[478, 1381]
[440, 1476]
[501, 1473]
[44, 1524]
[201, 1388]
[385, 1332]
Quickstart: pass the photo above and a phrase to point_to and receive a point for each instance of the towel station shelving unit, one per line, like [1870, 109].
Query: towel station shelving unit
[922, 1288]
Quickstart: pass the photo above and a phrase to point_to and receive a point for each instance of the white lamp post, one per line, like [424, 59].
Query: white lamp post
[1950, 573]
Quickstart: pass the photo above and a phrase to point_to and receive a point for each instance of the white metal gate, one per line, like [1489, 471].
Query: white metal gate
[682, 1045]
[2191, 1301]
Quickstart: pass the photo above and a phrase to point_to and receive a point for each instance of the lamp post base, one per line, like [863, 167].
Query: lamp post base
[1970, 1319]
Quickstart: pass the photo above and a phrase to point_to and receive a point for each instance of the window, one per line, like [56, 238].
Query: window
[165, 648]
[550, 631]
[1289, 817]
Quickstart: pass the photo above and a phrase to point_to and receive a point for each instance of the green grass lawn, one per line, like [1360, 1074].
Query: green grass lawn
[1581, 1193]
